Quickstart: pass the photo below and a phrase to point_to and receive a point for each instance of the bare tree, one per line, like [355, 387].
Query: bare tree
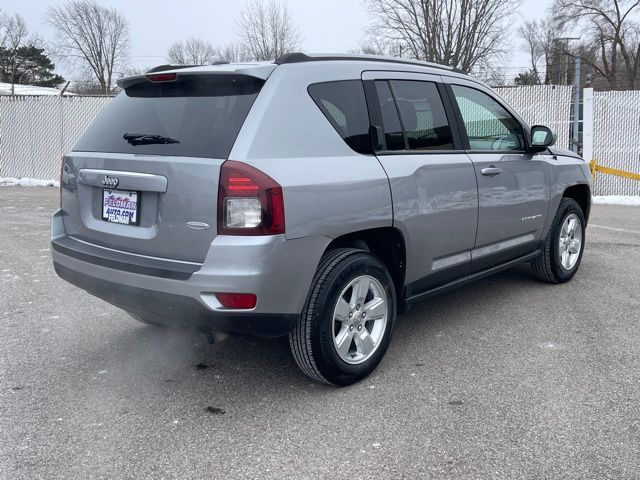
[95, 36]
[22, 56]
[192, 51]
[373, 45]
[232, 52]
[266, 29]
[540, 42]
[611, 37]
[529, 32]
[13, 35]
[464, 34]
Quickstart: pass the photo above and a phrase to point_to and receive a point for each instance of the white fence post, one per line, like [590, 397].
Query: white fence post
[587, 124]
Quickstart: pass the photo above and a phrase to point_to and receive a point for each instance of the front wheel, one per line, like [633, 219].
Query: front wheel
[563, 246]
[347, 320]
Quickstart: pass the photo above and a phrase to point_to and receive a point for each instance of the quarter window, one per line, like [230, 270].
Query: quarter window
[489, 125]
[344, 105]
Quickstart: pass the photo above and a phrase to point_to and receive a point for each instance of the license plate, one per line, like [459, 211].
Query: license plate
[121, 206]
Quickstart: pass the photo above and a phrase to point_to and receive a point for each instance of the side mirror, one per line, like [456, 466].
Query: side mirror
[541, 137]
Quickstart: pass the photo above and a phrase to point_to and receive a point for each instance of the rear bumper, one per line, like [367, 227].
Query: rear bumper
[276, 270]
[178, 310]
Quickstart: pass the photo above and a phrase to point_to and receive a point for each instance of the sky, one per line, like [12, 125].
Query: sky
[325, 25]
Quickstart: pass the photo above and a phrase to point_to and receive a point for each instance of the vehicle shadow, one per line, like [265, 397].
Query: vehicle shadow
[452, 308]
[233, 368]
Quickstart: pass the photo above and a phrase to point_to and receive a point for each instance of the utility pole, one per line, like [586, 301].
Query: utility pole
[576, 107]
[575, 136]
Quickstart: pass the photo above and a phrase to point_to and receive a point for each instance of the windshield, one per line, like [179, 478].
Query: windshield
[200, 114]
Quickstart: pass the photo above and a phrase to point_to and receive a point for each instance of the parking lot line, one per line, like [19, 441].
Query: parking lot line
[614, 229]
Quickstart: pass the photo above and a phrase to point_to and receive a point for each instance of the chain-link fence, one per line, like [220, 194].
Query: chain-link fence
[35, 131]
[616, 140]
[548, 105]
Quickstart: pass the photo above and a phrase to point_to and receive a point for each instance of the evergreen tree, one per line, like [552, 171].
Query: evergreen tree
[527, 78]
[28, 65]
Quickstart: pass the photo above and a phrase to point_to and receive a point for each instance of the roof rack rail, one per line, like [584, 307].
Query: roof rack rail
[162, 68]
[299, 57]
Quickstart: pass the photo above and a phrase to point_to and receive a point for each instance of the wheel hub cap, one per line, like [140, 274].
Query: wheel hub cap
[570, 242]
[360, 319]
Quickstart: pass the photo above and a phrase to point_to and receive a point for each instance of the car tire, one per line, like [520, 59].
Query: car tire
[561, 255]
[347, 320]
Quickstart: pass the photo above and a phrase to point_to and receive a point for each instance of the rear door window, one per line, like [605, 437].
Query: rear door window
[423, 116]
[202, 113]
[343, 103]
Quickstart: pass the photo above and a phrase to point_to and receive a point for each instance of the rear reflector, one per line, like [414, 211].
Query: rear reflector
[237, 300]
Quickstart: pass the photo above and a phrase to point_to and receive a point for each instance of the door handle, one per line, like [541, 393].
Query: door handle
[491, 171]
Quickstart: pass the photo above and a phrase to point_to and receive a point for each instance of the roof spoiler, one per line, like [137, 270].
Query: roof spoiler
[262, 72]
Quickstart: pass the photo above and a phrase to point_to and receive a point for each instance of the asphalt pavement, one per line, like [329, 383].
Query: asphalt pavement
[505, 378]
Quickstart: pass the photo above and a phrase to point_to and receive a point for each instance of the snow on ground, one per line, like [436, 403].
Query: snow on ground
[5, 89]
[633, 200]
[27, 182]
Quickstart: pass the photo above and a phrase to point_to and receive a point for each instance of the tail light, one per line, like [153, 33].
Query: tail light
[249, 201]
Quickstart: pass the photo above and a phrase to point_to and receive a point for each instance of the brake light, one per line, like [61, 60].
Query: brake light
[237, 300]
[249, 201]
[162, 77]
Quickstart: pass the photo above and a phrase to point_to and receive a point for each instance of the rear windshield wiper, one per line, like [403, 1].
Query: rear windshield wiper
[147, 139]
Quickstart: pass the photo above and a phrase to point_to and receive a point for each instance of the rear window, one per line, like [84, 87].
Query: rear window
[203, 113]
[344, 105]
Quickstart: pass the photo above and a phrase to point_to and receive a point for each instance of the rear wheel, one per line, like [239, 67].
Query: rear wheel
[563, 245]
[347, 320]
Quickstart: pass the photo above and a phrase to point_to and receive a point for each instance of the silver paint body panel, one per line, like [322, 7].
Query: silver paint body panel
[448, 213]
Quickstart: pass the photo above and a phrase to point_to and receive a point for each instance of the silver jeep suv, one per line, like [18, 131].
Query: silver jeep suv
[315, 197]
